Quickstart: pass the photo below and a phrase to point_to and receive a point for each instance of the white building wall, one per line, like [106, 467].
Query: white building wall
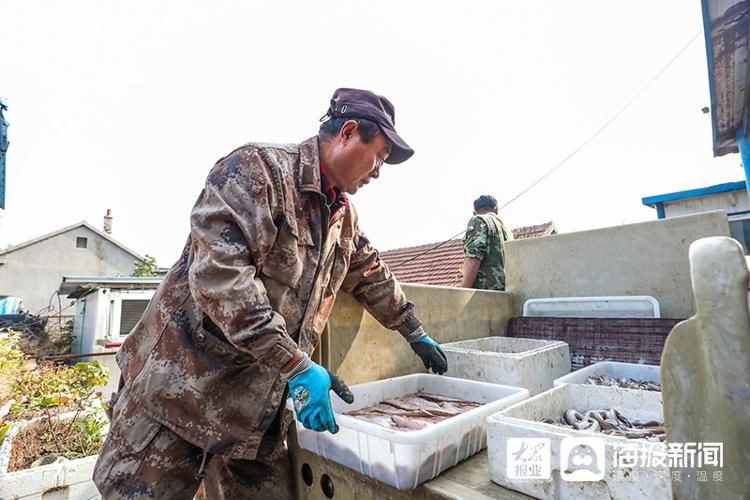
[732, 201]
[35, 272]
[93, 321]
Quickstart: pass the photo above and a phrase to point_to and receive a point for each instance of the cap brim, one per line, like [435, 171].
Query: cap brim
[400, 151]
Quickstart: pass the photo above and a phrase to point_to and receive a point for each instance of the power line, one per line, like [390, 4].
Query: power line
[606, 124]
[574, 152]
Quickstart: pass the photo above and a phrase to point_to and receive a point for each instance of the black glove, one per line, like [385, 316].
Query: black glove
[342, 390]
[429, 351]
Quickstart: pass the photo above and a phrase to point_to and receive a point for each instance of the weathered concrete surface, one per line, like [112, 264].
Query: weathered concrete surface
[705, 371]
[648, 258]
[360, 350]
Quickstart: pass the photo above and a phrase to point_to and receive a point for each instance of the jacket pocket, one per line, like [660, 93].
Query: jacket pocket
[344, 250]
[339, 269]
[131, 432]
[283, 263]
[133, 428]
[221, 351]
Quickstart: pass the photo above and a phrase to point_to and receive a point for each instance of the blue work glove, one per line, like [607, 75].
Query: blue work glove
[309, 388]
[429, 351]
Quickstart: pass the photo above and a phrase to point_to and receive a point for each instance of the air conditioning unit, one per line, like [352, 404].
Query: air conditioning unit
[106, 316]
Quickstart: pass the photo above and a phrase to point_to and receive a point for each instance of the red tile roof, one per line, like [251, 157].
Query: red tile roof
[443, 263]
[524, 232]
[442, 266]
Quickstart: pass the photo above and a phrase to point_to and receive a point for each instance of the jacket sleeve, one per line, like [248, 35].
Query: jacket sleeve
[232, 229]
[476, 239]
[373, 285]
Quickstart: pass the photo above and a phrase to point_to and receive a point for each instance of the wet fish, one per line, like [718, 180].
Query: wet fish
[611, 422]
[628, 383]
[407, 423]
[444, 399]
[413, 411]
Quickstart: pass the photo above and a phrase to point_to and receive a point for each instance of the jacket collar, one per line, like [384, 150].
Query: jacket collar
[309, 165]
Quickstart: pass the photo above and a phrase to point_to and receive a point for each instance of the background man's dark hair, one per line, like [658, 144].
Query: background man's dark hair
[485, 202]
[367, 129]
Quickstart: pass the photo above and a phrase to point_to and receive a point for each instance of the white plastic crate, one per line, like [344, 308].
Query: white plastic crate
[614, 369]
[523, 420]
[529, 363]
[626, 306]
[405, 459]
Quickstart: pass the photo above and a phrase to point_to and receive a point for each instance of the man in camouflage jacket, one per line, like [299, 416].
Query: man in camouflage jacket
[205, 371]
[484, 247]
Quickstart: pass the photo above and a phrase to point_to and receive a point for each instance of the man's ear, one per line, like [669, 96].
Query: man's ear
[495, 210]
[348, 130]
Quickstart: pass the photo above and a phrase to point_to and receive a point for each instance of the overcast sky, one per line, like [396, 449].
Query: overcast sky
[127, 105]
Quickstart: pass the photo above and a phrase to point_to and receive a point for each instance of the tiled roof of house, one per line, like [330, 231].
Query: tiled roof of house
[524, 232]
[444, 265]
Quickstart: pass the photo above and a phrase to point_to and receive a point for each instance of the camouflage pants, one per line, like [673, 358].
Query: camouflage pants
[144, 459]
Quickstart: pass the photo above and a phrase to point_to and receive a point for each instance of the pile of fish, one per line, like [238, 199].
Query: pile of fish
[413, 411]
[611, 422]
[628, 383]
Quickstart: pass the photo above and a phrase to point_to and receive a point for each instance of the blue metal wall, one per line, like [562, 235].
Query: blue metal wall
[3, 150]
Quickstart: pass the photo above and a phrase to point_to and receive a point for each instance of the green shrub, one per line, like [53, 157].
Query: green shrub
[53, 386]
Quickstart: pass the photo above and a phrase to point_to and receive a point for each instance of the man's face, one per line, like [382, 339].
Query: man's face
[353, 163]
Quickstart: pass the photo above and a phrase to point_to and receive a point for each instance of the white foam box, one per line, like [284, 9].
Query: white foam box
[69, 480]
[614, 369]
[529, 363]
[405, 459]
[523, 420]
[626, 306]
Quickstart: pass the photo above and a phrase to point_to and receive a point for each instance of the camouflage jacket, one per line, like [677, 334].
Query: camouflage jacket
[257, 278]
[485, 240]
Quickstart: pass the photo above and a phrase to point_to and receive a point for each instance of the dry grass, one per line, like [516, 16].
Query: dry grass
[50, 438]
[5, 389]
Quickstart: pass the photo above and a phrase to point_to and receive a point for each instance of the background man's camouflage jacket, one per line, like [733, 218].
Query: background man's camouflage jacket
[258, 277]
[485, 240]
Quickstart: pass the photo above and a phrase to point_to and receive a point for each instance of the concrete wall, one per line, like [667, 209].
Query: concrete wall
[34, 272]
[360, 350]
[649, 258]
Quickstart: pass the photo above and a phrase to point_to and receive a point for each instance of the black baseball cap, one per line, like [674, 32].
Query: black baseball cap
[355, 103]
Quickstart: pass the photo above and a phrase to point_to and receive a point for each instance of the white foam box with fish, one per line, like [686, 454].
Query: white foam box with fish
[613, 369]
[523, 420]
[405, 459]
[529, 363]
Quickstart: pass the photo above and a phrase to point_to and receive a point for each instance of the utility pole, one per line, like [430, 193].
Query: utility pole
[3, 150]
